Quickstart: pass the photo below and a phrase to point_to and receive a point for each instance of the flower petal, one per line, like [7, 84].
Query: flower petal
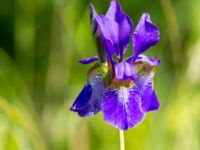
[152, 61]
[109, 30]
[144, 80]
[89, 100]
[124, 71]
[83, 98]
[143, 58]
[101, 42]
[121, 107]
[145, 35]
[154, 104]
[124, 25]
[113, 31]
[89, 60]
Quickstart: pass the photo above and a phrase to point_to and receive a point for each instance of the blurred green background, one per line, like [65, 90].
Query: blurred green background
[40, 44]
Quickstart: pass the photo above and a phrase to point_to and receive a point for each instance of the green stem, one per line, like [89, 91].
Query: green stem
[121, 137]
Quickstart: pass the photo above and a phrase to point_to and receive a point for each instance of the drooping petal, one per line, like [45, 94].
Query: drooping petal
[143, 58]
[121, 106]
[123, 23]
[89, 101]
[145, 35]
[83, 98]
[144, 81]
[154, 104]
[124, 71]
[89, 60]
[146, 93]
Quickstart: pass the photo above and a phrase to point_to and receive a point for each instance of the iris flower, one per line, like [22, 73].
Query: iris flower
[122, 89]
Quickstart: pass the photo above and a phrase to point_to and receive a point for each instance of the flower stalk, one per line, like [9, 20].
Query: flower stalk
[121, 138]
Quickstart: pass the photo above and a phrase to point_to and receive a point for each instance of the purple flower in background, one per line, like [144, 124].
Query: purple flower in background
[122, 89]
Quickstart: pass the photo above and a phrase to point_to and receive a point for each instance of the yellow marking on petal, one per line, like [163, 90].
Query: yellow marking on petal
[153, 70]
[97, 68]
[122, 89]
[145, 67]
[119, 83]
[94, 68]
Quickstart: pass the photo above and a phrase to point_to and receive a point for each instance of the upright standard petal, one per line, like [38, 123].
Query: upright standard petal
[108, 29]
[101, 41]
[124, 26]
[88, 103]
[113, 31]
[145, 35]
[121, 105]
[144, 81]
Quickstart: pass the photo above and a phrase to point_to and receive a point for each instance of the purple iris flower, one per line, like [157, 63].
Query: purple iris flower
[122, 89]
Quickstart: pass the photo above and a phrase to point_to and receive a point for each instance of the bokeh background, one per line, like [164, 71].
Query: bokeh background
[40, 44]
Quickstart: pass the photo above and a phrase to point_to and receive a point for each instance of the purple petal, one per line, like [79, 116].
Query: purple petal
[89, 100]
[83, 98]
[109, 30]
[121, 107]
[124, 71]
[152, 61]
[143, 58]
[145, 35]
[123, 23]
[101, 42]
[112, 31]
[154, 104]
[88, 60]
[146, 93]
[144, 81]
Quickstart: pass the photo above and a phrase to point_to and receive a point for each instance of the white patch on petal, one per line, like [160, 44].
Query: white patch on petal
[123, 95]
